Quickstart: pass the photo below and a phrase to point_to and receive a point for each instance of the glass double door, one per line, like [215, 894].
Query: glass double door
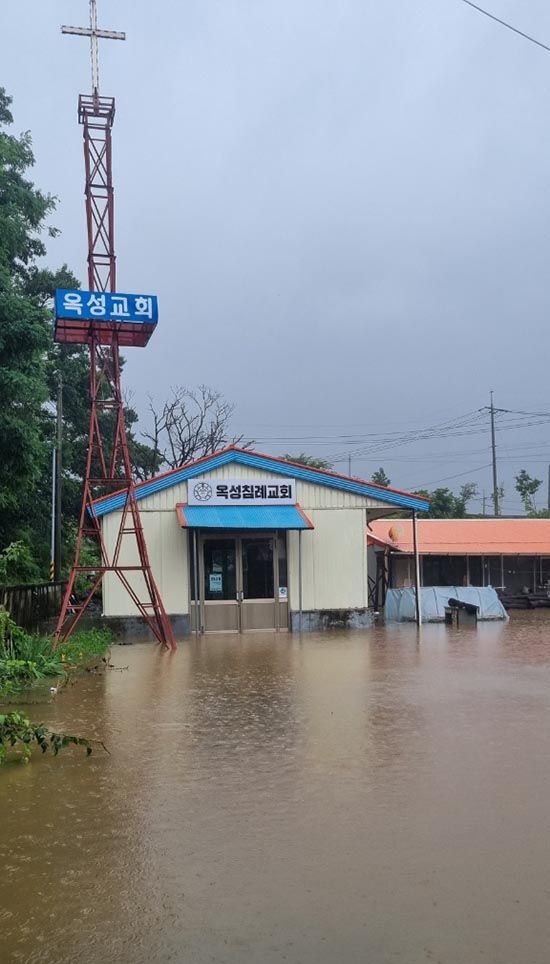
[238, 579]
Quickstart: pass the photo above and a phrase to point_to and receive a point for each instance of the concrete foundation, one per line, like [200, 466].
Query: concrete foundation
[320, 620]
[133, 629]
[130, 629]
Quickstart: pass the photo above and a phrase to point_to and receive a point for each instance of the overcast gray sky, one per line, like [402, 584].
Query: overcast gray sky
[343, 209]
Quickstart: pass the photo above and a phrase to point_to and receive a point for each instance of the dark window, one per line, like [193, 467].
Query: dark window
[258, 568]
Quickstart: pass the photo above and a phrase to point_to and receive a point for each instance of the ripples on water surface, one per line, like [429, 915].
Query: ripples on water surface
[354, 797]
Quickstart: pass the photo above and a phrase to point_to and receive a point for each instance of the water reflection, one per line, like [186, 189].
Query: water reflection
[353, 797]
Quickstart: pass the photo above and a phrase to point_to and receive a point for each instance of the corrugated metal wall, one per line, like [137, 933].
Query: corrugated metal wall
[167, 548]
[334, 561]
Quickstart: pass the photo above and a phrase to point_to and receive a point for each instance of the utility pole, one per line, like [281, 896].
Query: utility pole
[58, 469]
[349, 466]
[549, 488]
[52, 530]
[484, 501]
[494, 451]
[417, 587]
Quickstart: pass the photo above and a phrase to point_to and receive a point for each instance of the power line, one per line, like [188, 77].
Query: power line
[441, 430]
[447, 478]
[372, 442]
[459, 421]
[515, 411]
[364, 446]
[458, 431]
[508, 26]
[346, 424]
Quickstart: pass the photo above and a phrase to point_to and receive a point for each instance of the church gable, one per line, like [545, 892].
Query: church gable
[233, 462]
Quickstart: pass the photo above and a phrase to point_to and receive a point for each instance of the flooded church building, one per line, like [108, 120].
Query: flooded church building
[240, 541]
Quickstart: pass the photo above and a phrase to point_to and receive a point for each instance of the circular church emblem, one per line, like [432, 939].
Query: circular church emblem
[202, 491]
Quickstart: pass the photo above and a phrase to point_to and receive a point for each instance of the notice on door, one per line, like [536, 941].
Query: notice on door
[215, 582]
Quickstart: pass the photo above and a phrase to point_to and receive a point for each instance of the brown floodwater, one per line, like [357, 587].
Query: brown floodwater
[358, 797]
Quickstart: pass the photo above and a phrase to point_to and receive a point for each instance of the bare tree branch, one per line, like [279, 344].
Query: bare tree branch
[189, 425]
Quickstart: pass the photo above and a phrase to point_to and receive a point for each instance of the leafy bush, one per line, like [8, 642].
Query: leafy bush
[19, 734]
[15, 674]
[25, 670]
[24, 659]
[17, 564]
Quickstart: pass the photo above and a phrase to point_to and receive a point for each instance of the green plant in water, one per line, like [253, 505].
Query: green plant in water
[24, 672]
[24, 659]
[84, 644]
[19, 734]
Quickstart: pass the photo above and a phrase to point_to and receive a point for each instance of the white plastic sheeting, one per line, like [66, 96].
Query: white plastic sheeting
[400, 603]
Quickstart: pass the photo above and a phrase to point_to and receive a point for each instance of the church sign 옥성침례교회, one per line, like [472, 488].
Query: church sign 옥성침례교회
[264, 491]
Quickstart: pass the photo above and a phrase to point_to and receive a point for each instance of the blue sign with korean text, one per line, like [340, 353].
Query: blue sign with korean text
[106, 306]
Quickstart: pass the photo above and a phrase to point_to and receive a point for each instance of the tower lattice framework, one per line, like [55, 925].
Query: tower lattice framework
[108, 463]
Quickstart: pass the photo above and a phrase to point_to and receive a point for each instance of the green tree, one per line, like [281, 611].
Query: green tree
[310, 460]
[466, 493]
[528, 488]
[445, 505]
[16, 564]
[70, 363]
[381, 478]
[23, 334]
[31, 364]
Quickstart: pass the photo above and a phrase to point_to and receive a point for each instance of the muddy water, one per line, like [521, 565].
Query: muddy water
[343, 798]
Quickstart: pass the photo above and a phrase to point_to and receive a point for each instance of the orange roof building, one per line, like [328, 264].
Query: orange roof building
[461, 537]
[512, 555]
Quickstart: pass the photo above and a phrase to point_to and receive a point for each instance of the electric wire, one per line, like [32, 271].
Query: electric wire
[366, 446]
[448, 478]
[508, 26]
[453, 428]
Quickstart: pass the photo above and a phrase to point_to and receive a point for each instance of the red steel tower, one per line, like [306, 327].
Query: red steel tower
[108, 464]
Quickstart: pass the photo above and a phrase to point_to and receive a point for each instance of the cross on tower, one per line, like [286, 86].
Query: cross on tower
[94, 34]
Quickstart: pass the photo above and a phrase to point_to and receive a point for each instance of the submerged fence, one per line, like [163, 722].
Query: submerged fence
[31, 606]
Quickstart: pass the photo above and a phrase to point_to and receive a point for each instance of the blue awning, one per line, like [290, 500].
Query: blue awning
[242, 517]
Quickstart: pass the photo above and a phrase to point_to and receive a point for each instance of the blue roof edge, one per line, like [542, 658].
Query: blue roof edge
[263, 462]
[244, 516]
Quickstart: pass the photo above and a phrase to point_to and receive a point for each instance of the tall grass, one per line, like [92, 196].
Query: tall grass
[86, 644]
[24, 659]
